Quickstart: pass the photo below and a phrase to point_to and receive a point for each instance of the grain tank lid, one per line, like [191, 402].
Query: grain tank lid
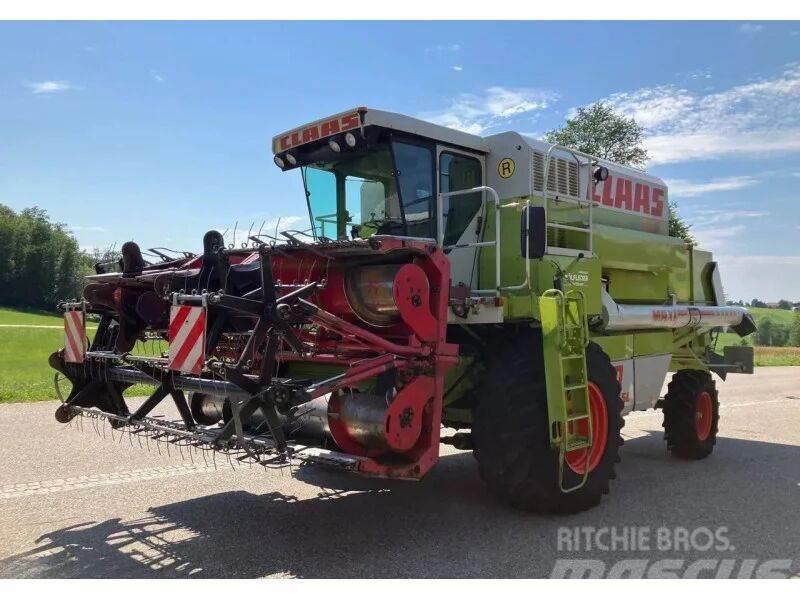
[365, 117]
[631, 172]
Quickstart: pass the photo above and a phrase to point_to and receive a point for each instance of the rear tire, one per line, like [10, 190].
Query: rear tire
[510, 429]
[691, 414]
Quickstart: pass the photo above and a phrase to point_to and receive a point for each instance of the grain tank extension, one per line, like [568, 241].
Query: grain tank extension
[525, 295]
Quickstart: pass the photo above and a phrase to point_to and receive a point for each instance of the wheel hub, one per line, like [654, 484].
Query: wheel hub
[703, 416]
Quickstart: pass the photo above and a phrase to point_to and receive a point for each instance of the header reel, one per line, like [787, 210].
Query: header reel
[287, 351]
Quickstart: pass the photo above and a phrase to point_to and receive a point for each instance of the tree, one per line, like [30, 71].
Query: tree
[600, 131]
[794, 331]
[784, 305]
[40, 262]
[772, 333]
[764, 333]
[677, 226]
[756, 303]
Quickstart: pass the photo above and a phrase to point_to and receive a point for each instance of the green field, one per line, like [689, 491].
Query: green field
[25, 375]
[766, 356]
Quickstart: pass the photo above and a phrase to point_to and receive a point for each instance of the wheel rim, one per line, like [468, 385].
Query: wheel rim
[576, 460]
[703, 416]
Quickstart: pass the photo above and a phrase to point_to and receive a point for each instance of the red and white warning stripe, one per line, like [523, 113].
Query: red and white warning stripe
[75, 336]
[187, 339]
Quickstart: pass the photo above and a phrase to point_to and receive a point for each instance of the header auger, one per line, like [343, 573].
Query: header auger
[525, 294]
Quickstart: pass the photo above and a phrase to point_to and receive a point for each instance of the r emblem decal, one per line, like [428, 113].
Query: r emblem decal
[506, 168]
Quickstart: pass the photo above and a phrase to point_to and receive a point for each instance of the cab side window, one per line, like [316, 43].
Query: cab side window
[459, 172]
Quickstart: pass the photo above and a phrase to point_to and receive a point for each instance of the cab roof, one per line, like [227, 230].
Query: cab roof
[341, 122]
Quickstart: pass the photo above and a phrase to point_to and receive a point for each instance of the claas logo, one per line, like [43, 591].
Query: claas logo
[319, 130]
[619, 192]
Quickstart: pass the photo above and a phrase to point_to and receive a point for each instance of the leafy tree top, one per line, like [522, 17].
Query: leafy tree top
[600, 131]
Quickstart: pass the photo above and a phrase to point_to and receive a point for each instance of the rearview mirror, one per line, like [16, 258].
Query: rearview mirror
[533, 230]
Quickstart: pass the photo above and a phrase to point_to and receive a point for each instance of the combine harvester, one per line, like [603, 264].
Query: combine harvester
[525, 294]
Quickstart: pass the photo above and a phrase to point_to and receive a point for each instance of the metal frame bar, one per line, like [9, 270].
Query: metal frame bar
[496, 243]
[589, 202]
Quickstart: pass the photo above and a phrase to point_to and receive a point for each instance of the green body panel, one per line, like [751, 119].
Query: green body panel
[652, 342]
[618, 346]
[641, 267]
[632, 255]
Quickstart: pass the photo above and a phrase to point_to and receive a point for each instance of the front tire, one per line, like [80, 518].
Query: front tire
[691, 414]
[510, 430]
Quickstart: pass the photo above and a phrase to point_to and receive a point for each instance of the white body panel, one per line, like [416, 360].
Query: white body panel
[649, 373]
[626, 382]
[641, 379]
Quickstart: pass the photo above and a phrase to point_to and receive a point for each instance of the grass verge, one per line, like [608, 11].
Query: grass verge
[25, 375]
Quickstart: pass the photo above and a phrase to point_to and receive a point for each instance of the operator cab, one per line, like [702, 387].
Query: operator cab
[368, 172]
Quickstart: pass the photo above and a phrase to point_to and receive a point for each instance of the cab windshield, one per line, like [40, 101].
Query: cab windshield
[387, 189]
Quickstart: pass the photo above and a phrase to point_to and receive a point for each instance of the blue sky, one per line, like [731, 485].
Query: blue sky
[159, 131]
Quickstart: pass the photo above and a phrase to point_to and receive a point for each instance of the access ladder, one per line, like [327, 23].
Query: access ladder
[565, 335]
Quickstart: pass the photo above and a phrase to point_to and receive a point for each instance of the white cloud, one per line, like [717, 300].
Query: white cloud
[700, 74]
[457, 68]
[708, 216]
[475, 113]
[716, 229]
[715, 238]
[751, 28]
[49, 87]
[444, 48]
[157, 76]
[750, 119]
[759, 276]
[682, 188]
[93, 228]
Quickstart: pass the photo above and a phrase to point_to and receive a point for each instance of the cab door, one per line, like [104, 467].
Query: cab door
[464, 216]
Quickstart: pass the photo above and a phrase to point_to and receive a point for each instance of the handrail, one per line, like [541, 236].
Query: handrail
[496, 243]
[589, 201]
[440, 228]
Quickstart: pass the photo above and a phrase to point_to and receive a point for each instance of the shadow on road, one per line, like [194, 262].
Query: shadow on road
[445, 526]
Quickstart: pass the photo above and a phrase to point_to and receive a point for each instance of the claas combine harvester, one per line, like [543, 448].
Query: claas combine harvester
[525, 295]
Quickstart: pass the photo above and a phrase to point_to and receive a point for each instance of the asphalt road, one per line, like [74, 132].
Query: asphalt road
[73, 504]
